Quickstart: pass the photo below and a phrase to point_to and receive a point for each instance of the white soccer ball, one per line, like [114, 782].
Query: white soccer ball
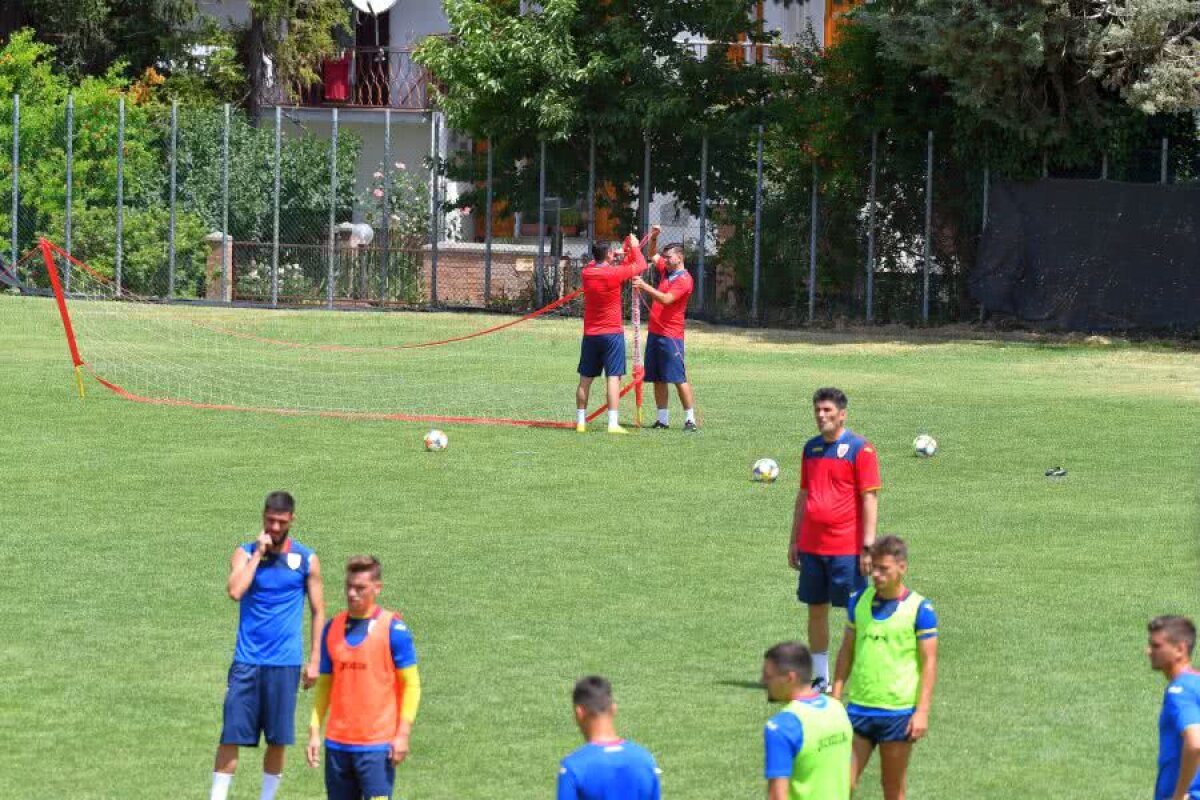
[925, 445]
[765, 470]
[436, 440]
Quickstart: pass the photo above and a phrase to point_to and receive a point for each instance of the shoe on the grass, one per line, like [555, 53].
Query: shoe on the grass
[616, 429]
[690, 427]
[821, 685]
[659, 426]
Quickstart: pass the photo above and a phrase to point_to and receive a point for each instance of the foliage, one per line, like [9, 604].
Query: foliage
[296, 36]
[1149, 51]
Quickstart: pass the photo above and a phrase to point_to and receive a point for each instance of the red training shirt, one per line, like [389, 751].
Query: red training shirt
[602, 293]
[667, 320]
[835, 475]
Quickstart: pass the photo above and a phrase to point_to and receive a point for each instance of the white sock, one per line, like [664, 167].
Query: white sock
[220, 786]
[270, 786]
[614, 418]
[689, 415]
[821, 666]
[664, 416]
[581, 416]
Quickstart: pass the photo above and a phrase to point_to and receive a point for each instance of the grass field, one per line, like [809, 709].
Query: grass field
[525, 558]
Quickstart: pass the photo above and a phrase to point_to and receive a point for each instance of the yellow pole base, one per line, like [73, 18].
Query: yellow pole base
[79, 381]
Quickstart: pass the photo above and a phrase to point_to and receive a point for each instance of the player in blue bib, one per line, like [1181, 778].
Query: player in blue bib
[1172, 640]
[269, 577]
[607, 767]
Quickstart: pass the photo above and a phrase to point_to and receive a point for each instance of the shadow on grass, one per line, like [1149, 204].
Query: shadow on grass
[755, 685]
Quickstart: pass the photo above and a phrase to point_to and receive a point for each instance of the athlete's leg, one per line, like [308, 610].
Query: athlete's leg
[686, 396]
[818, 627]
[860, 754]
[273, 759]
[613, 386]
[660, 395]
[582, 391]
[893, 764]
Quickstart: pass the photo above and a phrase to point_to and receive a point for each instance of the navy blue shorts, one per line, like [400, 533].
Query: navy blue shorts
[880, 729]
[260, 699]
[602, 352]
[664, 360]
[353, 775]
[829, 579]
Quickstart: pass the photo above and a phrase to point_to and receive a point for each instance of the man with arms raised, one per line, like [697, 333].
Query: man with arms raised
[603, 345]
[370, 686]
[889, 656]
[833, 526]
[270, 578]
[1172, 640]
[664, 344]
[807, 745]
[607, 767]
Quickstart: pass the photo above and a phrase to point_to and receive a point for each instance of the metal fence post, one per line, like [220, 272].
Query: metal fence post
[1162, 170]
[537, 277]
[987, 188]
[591, 190]
[928, 248]
[487, 230]
[703, 216]
[385, 233]
[433, 212]
[226, 290]
[1104, 167]
[67, 232]
[16, 171]
[172, 187]
[120, 189]
[1045, 164]
[813, 220]
[275, 186]
[645, 217]
[871, 227]
[758, 193]
[333, 143]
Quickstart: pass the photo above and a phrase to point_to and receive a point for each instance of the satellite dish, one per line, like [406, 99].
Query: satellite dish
[373, 6]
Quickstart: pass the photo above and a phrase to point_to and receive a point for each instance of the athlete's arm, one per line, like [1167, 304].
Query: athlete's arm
[918, 726]
[1189, 761]
[408, 687]
[870, 518]
[777, 788]
[316, 602]
[794, 540]
[845, 662]
[242, 566]
[666, 298]
[320, 700]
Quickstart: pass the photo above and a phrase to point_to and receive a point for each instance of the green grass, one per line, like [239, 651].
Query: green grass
[525, 558]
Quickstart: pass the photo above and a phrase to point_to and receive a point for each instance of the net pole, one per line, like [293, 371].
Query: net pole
[537, 277]
[703, 219]
[928, 245]
[68, 222]
[333, 142]
[487, 230]
[173, 157]
[120, 190]
[433, 211]
[987, 189]
[16, 172]
[758, 198]
[1162, 167]
[275, 186]
[61, 300]
[645, 216]
[385, 231]
[813, 221]
[871, 227]
[226, 294]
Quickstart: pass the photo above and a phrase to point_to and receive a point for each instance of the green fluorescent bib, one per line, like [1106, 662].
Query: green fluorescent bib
[821, 770]
[887, 667]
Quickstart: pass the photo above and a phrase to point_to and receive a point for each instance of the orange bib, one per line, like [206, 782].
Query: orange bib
[364, 702]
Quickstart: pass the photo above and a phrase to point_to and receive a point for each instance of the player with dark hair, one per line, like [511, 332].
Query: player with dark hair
[833, 525]
[1171, 642]
[607, 767]
[603, 345]
[370, 686]
[889, 657]
[665, 342]
[807, 745]
[269, 578]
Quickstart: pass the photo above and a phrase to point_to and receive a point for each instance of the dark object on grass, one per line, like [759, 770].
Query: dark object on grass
[1056, 472]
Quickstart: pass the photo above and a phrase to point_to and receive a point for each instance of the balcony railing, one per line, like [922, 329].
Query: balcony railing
[371, 77]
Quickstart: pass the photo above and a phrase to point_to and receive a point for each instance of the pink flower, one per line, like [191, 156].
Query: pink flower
[378, 192]
[466, 210]
[378, 174]
[400, 165]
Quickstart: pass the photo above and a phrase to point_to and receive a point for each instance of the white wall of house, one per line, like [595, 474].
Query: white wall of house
[794, 19]
[413, 20]
[227, 12]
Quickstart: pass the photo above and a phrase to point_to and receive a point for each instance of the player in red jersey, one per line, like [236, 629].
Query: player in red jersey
[664, 345]
[603, 346]
[833, 527]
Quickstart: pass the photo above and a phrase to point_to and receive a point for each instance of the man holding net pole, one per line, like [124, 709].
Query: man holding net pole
[603, 345]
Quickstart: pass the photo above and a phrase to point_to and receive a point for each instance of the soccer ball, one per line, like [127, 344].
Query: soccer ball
[436, 440]
[924, 445]
[765, 470]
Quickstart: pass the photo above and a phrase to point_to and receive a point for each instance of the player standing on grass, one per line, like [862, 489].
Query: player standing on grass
[807, 745]
[1172, 640]
[607, 767]
[370, 686]
[664, 344]
[889, 655]
[603, 346]
[833, 526]
[269, 577]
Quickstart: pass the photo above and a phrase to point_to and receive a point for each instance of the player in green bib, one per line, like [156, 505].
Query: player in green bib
[807, 745]
[889, 658]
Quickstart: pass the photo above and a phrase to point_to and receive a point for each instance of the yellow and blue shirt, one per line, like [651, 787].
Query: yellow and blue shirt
[882, 609]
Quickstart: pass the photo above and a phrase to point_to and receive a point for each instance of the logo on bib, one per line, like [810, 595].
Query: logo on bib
[293, 560]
